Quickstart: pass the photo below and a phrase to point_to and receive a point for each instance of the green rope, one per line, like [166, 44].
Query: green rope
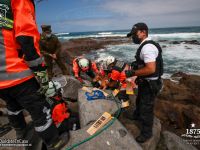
[98, 132]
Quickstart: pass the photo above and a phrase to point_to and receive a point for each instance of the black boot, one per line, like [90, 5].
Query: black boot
[51, 138]
[4, 129]
[22, 133]
[133, 116]
[60, 143]
[18, 123]
[142, 138]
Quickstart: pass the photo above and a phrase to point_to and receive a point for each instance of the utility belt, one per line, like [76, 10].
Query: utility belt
[140, 80]
[154, 85]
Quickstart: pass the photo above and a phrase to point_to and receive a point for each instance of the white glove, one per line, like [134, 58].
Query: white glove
[54, 86]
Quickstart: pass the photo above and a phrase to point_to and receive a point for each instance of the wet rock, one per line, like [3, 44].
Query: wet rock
[175, 42]
[191, 81]
[173, 142]
[180, 103]
[188, 47]
[179, 74]
[192, 42]
[77, 47]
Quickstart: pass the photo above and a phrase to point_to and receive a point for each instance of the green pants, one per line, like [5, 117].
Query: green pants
[49, 63]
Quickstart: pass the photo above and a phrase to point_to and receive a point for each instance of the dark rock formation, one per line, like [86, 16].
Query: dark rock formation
[173, 142]
[77, 47]
[178, 105]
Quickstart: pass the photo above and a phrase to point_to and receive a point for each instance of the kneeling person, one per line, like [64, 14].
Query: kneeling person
[81, 64]
[118, 79]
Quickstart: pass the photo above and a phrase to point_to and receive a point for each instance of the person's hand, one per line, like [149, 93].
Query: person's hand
[129, 73]
[53, 89]
[78, 78]
[54, 56]
[42, 79]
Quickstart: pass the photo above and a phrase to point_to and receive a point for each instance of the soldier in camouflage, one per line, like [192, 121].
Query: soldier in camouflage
[50, 48]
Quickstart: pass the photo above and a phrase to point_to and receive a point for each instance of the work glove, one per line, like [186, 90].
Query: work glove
[54, 88]
[96, 84]
[134, 65]
[42, 79]
[129, 73]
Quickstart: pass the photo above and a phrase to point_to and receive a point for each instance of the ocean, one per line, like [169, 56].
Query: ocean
[181, 48]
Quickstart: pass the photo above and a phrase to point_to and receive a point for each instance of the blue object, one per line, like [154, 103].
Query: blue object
[96, 95]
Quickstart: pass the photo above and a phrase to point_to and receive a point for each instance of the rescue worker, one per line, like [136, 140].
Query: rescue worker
[20, 65]
[117, 78]
[81, 64]
[149, 69]
[50, 47]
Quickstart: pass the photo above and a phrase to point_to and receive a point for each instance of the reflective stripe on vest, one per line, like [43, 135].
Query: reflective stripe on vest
[44, 127]
[35, 62]
[48, 123]
[6, 16]
[14, 112]
[4, 75]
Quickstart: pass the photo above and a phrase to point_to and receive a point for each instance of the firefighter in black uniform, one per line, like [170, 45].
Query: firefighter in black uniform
[149, 69]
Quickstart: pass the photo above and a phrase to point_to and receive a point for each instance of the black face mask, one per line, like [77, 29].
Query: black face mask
[135, 39]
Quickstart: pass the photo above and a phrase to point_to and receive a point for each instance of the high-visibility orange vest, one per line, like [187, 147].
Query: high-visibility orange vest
[14, 70]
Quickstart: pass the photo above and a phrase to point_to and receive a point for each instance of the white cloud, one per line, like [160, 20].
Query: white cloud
[146, 7]
[122, 14]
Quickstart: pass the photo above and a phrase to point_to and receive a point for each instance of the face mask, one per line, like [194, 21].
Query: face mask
[48, 35]
[135, 39]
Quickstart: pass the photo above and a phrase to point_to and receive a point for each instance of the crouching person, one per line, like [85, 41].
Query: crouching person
[62, 116]
[117, 78]
[81, 64]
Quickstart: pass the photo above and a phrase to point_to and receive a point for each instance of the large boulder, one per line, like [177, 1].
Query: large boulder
[116, 137]
[178, 105]
[134, 128]
[71, 88]
[90, 110]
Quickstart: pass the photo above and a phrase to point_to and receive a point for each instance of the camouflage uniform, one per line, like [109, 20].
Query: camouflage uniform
[51, 45]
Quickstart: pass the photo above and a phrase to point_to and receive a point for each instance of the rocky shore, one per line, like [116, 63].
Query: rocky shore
[177, 106]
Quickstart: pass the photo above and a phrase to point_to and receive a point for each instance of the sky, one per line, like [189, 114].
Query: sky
[105, 15]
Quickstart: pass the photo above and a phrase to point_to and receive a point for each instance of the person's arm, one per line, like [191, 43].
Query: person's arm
[94, 68]
[58, 46]
[26, 32]
[43, 52]
[149, 54]
[147, 70]
[114, 78]
[27, 36]
[75, 68]
[42, 47]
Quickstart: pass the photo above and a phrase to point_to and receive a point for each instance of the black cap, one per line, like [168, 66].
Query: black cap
[136, 27]
[46, 28]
